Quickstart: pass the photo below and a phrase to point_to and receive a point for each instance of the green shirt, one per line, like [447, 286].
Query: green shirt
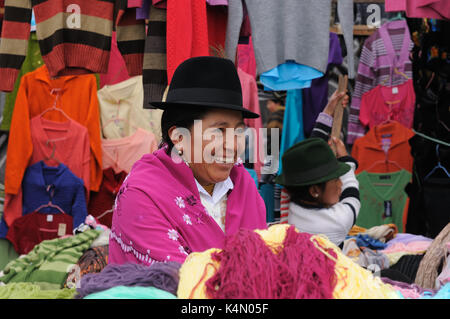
[383, 198]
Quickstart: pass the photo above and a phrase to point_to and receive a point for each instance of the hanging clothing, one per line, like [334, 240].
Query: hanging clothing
[292, 123]
[101, 203]
[187, 32]
[78, 99]
[33, 60]
[61, 142]
[121, 154]
[383, 198]
[384, 50]
[305, 41]
[155, 59]
[31, 229]
[117, 69]
[251, 102]
[42, 183]
[158, 214]
[246, 58]
[391, 139]
[315, 98]
[427, 214]
[382, 103]
[71, 54]
[124, 100]
[289, 76]
[432, 9]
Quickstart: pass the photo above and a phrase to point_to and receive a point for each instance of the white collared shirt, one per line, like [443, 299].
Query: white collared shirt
[216, 205]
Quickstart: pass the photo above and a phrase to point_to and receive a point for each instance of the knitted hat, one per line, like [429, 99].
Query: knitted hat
[310, 162]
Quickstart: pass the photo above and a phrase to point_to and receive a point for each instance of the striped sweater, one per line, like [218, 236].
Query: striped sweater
[74, 36]
[376, 66]
[49, 263]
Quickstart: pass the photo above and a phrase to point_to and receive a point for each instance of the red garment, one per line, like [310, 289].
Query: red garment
[31, 229]
[246, 58]
[383, 103]
[368, 149]
[217, 27]
[117, 69]
[102, 202]
[187, 32]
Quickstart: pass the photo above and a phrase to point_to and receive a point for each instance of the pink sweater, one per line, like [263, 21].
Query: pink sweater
[158, 215]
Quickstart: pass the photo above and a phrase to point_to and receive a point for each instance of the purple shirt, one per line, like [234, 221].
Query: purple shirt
[158, 214]
[316, 97]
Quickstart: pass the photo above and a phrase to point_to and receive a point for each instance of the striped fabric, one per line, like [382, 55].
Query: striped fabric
[284, 206]
[155, 67]
[74, 36]
[375, 67]
[47, 265]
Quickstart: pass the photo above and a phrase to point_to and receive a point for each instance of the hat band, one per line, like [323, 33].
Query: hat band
[204, 95]
[312, 174]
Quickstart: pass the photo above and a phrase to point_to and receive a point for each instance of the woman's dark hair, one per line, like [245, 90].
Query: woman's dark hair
[300, 194]
[179, 117]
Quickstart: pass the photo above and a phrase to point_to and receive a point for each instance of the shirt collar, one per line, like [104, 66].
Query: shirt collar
[395, 131]
[220, 189]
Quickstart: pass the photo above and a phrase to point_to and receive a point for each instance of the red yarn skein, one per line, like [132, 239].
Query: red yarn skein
[249, 269]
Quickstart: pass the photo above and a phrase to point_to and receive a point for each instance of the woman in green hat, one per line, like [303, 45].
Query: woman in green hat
[323, 190]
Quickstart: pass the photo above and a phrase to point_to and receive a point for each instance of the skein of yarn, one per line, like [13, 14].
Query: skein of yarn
[161, 275]
[428, 268]
[296, 269]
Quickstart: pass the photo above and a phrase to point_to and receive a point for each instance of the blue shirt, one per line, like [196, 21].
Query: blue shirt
[42, 183]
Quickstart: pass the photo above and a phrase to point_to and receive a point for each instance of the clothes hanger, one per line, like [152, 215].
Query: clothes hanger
[396, 71]
[52, 155]
[50, 204]
[439, 165]
[54, 108]
[399, 16]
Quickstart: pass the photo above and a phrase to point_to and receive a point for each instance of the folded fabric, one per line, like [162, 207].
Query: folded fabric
[394, 258]
[406, 238]
[408, 265]
[159, 275]
[26, 290]
[356, 230]
[443, 293]
[48, 263]
[364, 240]
[7, 252]
[415, 246]
[365, 257]
[122, 292]
[408, 291]
[383, 232]
[352, 281]
[444, 276]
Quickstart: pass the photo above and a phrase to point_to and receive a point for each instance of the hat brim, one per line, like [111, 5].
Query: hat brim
[343, 168]
[166, 105]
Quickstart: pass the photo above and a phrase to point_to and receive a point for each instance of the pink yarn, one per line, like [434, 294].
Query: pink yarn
[250, 270]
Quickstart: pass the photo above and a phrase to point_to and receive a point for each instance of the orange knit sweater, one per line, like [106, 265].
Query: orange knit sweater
[78, 99]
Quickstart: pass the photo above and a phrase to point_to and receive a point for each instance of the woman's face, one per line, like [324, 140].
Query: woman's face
[219, 145]
[332, 192]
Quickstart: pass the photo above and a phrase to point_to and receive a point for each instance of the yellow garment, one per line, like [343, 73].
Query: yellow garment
[355, 230]
[125, 100]
[353, 281]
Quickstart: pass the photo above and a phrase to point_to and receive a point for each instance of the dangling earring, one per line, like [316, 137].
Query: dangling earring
[180, 152]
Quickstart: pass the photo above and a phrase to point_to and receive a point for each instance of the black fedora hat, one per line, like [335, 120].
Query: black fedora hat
[310, 162]
[207, 81]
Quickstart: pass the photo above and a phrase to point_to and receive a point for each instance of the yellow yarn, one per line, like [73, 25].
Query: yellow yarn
[353, 281]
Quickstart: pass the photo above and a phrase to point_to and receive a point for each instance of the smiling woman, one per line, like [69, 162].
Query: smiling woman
[192, 191]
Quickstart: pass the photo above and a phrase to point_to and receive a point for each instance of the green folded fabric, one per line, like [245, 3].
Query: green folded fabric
[7, 252]
[47, 265]
[26, 290]
[136, 292]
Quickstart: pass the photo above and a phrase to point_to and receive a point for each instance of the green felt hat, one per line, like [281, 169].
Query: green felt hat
[310, 162]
